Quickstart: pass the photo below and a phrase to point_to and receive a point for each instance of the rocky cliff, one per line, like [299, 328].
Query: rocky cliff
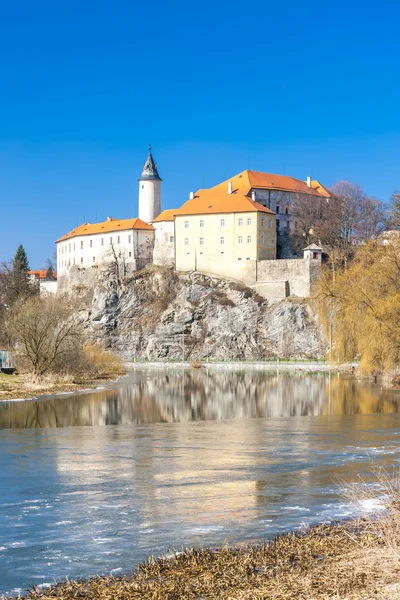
[159, 314]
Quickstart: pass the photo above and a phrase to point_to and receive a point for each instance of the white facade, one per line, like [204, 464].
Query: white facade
[134, 247]
[164, 243]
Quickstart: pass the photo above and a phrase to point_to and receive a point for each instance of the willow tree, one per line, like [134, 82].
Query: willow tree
[362, 307]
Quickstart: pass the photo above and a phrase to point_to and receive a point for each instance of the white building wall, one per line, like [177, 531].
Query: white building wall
[164, 243]
[84, 251]
[149, 199]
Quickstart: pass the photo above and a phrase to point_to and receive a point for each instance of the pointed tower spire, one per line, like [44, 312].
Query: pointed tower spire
[150, 168]
[149, 191]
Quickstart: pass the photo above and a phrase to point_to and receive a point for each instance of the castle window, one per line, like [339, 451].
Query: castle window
[201, 223]
[286, 211]
[240, 222]
[118, 239]
[315, 255]
[262, 239]
[201, 241]
[186, 224]
[130, 254]
[222, 222]
[171, 239]
[90, 243]
[239, 259]
[94, 259]
[81, 245]
[249, 221]
[74, 261]
[142, 186]
[249, 239]
[270, 223]
[74, 246]
[110, 240]
[102, 241]
[262, 221]
[81, 260]
[70, 248]
[277, 209]
[240, 239]
[129, 239]
[222, 240]
[186, 241]
[62, 250]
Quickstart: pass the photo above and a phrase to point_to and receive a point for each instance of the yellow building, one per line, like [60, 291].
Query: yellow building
[220, 229]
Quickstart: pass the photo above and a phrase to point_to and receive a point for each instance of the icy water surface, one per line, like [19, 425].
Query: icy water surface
[93, 483]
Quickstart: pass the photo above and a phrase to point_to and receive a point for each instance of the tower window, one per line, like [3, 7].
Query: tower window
[142, 186]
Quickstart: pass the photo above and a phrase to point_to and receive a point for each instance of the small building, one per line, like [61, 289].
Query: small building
[46, 279]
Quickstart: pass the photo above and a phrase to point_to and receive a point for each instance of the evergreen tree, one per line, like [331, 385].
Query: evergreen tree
[20, 262]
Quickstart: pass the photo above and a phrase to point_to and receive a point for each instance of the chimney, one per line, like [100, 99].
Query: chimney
[191, 195]
[109, 218]
[309, 181]
[253, 195]
[230, 187]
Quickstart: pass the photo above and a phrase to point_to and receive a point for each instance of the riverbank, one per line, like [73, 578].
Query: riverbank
[347, 561]
[24, 387]
[272, 365]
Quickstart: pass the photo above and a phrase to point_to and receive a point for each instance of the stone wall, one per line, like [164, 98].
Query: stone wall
[292, 274]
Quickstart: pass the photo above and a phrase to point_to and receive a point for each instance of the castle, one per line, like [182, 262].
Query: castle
[231, 230]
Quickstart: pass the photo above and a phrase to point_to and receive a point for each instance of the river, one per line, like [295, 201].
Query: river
[95, 482]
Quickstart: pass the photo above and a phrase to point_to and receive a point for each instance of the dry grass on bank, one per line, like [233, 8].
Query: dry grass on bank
[91, 366]
[350, 561]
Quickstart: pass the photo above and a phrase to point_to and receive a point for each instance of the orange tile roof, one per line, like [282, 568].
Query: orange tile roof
[246, 180]
[321, 189]
[166, 215]
[106, 227]
[217, 200]
[41, 273]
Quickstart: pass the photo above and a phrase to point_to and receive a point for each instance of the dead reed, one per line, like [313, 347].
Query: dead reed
[343, 561]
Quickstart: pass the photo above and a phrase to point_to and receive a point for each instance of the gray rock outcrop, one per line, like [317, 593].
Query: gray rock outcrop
[159, 314]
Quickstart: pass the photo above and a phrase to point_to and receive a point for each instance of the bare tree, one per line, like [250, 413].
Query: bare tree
[115, 263]
[45, 330]
[394, 211]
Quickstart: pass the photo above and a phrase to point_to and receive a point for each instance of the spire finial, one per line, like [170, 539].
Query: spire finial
[150, 168]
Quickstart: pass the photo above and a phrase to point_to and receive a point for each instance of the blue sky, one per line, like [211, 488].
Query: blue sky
[305, 88]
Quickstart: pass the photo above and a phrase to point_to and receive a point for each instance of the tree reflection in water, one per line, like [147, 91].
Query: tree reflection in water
[191, 395]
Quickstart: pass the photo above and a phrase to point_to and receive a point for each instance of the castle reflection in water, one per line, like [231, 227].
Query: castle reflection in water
[192, 395]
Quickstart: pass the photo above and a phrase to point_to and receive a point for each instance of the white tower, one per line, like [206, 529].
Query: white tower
[149, 191]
